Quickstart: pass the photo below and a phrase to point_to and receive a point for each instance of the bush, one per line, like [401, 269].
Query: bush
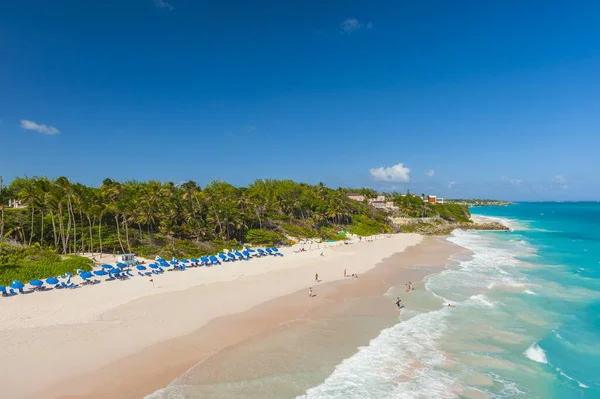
[25, 264]
[452, 212]
[264, 237]
[364, 226]
[299, 231]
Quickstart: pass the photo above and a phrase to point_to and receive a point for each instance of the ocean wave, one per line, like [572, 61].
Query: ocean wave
[402, 362]
[529, 292]
[537, 354]
[581, 384]
[481, 300]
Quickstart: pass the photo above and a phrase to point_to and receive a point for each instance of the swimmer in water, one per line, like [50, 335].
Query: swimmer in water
[398, 300]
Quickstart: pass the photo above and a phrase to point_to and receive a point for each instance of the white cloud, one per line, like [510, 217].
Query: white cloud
[396, 173]
[352, 25]
[514, 182]
[163, 4]
[451, 184]
[44, 129]
[430, 172]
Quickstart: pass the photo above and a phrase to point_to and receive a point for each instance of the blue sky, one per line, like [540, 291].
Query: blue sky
[498, 99]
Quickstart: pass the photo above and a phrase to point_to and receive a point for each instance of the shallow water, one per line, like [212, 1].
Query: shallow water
[525, 323]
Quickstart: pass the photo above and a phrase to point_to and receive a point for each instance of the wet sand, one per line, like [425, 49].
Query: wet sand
[276, 349]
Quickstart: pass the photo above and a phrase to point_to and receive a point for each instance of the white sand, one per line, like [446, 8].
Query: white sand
[46, 337]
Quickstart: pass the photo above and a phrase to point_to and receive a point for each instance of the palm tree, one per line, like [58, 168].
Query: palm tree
[29, 195]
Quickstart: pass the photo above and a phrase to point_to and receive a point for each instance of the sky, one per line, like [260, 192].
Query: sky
[457, 99]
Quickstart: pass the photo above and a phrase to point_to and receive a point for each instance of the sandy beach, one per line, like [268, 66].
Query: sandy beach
[72, 342]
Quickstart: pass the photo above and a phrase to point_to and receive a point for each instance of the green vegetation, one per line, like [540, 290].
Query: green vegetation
[364, 226]
[155, 218]
[452, 212]
[18, 262]
[411, 206]
[478, 202]
[264, 237]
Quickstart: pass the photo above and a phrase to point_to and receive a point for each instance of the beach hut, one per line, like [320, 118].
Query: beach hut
[127, 259]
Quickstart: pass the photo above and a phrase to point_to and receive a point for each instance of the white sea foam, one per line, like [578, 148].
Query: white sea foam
[537, 354]
[400, 363]
[581, 384]
[405, 361]
[481, 300]
[529, 292]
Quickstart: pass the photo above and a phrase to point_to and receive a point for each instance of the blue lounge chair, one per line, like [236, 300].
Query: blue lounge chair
[276, 251]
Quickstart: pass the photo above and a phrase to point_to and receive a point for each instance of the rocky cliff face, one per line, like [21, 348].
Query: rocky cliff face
[443, 229]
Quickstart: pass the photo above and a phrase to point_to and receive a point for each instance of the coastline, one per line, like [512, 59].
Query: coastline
[52, 337]
[225, 343]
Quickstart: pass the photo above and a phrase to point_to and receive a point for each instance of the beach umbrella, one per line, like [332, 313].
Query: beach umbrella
[260, 251]
[204, 259]
[52, 280]
[17, 285]
[2, 289]
[230, 255]
[275, 249]
[184, 261]
[36, 283]
[121, 265]
[173, 262]
[246, 253]
[153, 266]
[213, 259]
[100, 273]
[105, 266]
[86, 275]
[114, 271]
[220, 255]
[269, 251]
[141, 267]
[194, 260]
[238, 254]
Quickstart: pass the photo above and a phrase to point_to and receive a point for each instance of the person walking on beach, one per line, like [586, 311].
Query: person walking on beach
[405, 287]
[310, 294]
[410, 287]
[317, 277]
[398, 300]
[344, 272]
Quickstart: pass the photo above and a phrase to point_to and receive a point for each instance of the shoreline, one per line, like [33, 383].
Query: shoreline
[218, 344]
[89, 328]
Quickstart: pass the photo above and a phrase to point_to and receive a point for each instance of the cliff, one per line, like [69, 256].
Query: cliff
[441, 229]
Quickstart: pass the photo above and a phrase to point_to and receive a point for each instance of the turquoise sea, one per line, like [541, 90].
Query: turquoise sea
[525, 321]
